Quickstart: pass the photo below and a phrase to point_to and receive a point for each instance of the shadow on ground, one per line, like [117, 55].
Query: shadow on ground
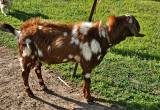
[139, 55]
[24, 16]
[136, 106]
[83, 106]
[115, 105]
[156, 0]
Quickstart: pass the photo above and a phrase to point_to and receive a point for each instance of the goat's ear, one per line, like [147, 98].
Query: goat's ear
[133, 30]
[111, 22]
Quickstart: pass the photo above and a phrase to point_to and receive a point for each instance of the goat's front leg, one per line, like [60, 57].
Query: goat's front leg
[39, 75]
[86, 87]
[3, 10]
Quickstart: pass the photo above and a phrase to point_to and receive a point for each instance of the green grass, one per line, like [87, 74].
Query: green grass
[129, 75]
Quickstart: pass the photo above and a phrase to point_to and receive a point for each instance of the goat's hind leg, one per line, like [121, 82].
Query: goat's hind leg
[26, 67]
[38, 71]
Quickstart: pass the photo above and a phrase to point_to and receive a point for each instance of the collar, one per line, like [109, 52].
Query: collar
[104, 33]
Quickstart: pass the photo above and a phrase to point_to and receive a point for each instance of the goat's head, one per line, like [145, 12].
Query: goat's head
[121, 27]
[133, 27]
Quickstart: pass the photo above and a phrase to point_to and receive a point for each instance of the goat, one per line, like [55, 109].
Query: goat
[5, 6]
[85, 43]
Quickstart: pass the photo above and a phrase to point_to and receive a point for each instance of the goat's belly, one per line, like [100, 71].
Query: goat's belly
[55, 60]
[59, 55]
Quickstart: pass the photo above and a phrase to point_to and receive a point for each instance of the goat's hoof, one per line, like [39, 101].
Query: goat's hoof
[91, 101]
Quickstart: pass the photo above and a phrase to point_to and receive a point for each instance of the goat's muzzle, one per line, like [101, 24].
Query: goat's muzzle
[135, 27]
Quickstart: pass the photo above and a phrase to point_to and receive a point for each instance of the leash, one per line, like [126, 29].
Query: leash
[92, 10]
[89, 19]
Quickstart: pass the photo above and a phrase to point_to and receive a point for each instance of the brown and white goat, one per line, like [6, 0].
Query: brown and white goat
[5, 6]
[85, 43]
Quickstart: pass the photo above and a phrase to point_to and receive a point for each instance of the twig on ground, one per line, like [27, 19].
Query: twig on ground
[63, 81]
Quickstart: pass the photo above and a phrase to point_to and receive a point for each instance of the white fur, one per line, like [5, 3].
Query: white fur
[64, 60]
[28, 41]
[95, 46]
[74, 31]
[26, 51]
[102, 32]
[70, 56]
[86, 51]
[32, 56]
[99, 56]
[40, 27]
[17, 33]
[85, 26]
[130, 21]
[74, 41]
[65, 33]
[40, 53]
[87, 75]
[49, 48]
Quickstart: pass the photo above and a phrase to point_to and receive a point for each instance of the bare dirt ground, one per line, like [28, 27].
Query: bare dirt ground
[60, 97]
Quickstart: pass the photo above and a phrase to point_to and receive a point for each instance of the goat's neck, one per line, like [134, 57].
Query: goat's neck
[116, 36]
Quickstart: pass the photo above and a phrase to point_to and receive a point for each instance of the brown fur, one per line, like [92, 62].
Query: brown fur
[52, 43]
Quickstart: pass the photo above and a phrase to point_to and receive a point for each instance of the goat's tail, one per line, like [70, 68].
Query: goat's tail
[8, 28]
